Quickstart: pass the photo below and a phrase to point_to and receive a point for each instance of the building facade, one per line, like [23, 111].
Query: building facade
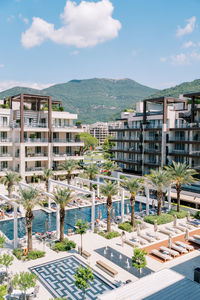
[101, 130]
[160, 131]
[35, 134]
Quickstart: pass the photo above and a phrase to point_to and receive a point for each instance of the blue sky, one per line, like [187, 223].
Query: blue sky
[154, 42]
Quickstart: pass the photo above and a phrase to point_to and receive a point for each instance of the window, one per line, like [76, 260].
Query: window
[38, 149]
[3, 136]
[38, 164]
[55, 150]
[4, 165]
[5, 121]
[68, 150]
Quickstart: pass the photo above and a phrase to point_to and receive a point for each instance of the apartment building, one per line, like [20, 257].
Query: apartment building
[101, 130]
[160, 131]
[35, 133]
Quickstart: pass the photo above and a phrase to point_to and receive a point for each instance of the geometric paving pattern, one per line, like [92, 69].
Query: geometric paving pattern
[122, 261]
[58, 278]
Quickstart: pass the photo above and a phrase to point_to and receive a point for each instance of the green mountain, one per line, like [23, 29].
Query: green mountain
[92, 99]
[183, 88]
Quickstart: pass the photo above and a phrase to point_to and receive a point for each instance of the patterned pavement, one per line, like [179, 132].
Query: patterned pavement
[58, 278]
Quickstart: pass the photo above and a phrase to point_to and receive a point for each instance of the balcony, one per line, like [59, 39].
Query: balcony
[35, 140]
[36, 125]
[34, 169]
[152, 150]
[66, 140]
[152, 162]
[153, 139]
[37, 154]
[187, 126]
[5, 155]
[64, 156]
[5, 140]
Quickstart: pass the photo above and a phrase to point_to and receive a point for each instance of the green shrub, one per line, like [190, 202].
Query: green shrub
[65, 246]
[162, 219]
[34, 254]
[109, 235]
[180, 215]
[126, 226]
[18, 253]
[197, 214]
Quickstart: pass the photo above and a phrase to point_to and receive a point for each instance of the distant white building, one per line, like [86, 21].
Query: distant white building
[100, 130]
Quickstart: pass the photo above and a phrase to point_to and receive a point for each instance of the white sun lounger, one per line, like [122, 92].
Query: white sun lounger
[161, 255]
[187, 226]
[179, 249]
[186, 246]
[141, 241]
[148, 238]
[165, 231]
[172, 229]
[169, 251]
[156, 237]
[132, 244]
[193, 240]
[196, 236]
[180, 227]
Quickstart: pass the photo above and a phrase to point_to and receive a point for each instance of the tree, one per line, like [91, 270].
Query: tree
[24, 281]
[107, 146]
[6, 260]
[3, 291]
[69, 166]
[180, 174]
[10, 179]
[62, 197]
[47, 174]
[139, 259]
[81, 229]
[110, 166]
[158, 179]
[133, 185]
[89, 141]
[29, 198]
[2, 240]
[83, 277]
[109, 189]
[91, 171]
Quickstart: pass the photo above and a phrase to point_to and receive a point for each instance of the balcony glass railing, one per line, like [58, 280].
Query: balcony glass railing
[34, 169]
[66, 140]
[5, 154]
[37, 154]
[66, 154]
[152, 150]
[35, 125]
[5, 140]
[63, 126]
[188, 125]
[35, 140]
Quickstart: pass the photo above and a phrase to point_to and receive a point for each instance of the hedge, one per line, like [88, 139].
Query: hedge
[180, 215]
[109, 235]
[64, 246]
[162, 219]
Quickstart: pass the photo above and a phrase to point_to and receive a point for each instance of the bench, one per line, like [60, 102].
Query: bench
[110, 271]
[85, 253]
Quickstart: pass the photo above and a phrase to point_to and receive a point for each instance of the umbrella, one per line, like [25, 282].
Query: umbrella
[47, 225]
[175, 220]
[170, 241]
[113, 212]
[127, 208]
[138, 230]
[155, 226]
[153, 204]
[188, 216]
[140, 206]
[187, 234]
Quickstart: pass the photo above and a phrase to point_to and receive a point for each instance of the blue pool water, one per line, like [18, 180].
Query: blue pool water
[71, 217]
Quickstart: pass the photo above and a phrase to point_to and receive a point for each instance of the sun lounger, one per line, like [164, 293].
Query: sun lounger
[140, 240]
[194, 223]
[172, 229]
[148, 238]
[187, 226]
[193, 240]
[132, 244]
[165, 231]
[196, 236]
[155, 236]
[179, 249]
[180, 227]
[169, 251]
[161, 255]
[186, 246]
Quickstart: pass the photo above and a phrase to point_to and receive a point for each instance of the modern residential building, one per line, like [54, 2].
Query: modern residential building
[36, 133]
[101, 130]
[159, 131]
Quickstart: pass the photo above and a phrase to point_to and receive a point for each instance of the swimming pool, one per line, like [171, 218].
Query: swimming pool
[71, 217]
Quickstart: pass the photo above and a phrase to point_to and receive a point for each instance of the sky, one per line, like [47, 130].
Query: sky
[44, 42]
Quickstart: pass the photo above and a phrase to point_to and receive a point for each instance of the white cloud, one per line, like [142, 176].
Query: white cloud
[163, 59]
[189, 44]
[4, 85]
[84, 25]
[1, 66]
[10, 18]
[75, 52]
[26, 20]
[195, 56]
[189, 28]
[179, 59]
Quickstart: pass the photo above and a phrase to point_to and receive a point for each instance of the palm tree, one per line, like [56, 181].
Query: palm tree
[159, 180]
[69, 165]
[180, 173]
[29, 198]
[111, 166]
[62, 197]
[133, 185]
[47, 174]
[10, 179]
[109, 189]
[91, 171]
